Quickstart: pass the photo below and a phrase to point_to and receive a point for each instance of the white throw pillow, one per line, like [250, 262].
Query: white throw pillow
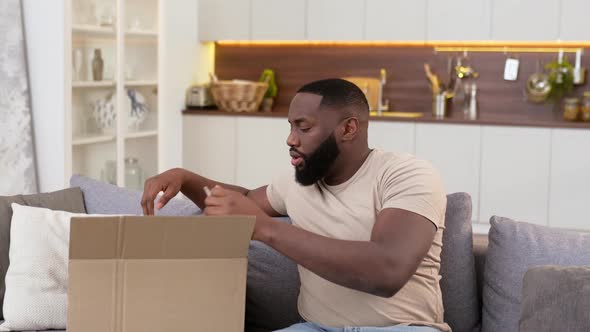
[37, 277]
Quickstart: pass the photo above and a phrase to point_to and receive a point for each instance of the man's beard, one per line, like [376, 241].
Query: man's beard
[318, 163]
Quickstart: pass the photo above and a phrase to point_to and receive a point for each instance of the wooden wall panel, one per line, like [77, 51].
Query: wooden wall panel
[406, 88]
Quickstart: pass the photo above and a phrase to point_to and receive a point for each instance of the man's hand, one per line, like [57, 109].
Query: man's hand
[169, 182]
[224, 202]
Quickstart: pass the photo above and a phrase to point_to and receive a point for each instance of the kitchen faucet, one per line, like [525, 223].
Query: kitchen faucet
[383, 105]
[373, 89]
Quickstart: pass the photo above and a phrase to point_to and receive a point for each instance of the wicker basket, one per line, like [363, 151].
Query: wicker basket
[238, 96]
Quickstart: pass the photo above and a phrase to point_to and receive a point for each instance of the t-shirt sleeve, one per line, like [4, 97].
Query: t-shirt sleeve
[417, 187]
[276, 192]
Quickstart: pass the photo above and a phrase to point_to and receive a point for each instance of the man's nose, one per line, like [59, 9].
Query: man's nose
[292, 139]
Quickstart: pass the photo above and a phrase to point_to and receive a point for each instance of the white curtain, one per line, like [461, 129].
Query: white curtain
[17, 155]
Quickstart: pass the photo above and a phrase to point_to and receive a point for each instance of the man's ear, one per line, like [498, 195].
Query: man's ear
[350, 128]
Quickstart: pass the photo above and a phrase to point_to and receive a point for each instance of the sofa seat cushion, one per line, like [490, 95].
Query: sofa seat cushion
[556, 298]
[514, 248]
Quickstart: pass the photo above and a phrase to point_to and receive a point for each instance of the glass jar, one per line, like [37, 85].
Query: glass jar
[109, 172]
[133, 174]
[585, 109]
[571, 109]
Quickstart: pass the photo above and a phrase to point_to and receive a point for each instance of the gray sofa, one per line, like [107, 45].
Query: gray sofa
[273, 281]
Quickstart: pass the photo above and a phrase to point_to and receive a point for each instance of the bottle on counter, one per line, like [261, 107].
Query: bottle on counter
[571, 109]
[133, 174]
[97, 65]
[470, 109]
[440, 105]
[585, 109]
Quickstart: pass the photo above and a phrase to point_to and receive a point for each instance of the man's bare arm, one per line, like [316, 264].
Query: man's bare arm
[191, 185]
[382, 266]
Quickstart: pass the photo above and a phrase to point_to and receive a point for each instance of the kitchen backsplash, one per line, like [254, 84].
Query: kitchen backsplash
[406, 89]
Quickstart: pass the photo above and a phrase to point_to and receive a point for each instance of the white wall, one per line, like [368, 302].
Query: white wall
[180, 57]
[44, 33]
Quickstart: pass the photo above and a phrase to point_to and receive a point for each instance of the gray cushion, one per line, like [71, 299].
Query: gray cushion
[104, 198]
[70, 200]
[272, 289]
[514, 248]
[457, 269]
[556, 298]
[480, 248]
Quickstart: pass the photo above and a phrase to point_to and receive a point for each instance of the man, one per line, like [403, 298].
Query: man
[367, 224]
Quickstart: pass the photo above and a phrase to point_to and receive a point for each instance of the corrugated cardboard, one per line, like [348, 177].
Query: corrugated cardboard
[158, 273]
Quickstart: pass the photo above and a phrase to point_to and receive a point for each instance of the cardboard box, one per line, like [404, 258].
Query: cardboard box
[158, 273]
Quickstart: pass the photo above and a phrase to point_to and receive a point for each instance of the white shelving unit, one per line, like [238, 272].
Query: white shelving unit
[89, 30]
[140, 83]
[78, 141]
[112, 120]
[142, 34]
[93, 84]
[162, 49]
[142, 134]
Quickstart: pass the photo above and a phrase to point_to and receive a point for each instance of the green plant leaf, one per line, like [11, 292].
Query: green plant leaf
[272, 85]
[560, 87]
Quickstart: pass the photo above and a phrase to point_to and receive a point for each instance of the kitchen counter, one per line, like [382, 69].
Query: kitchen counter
[544, 119]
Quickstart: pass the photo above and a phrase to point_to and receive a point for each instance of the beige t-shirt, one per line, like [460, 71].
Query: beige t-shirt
[348, 212]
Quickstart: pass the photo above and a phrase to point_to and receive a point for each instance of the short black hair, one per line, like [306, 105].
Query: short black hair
[337, 93]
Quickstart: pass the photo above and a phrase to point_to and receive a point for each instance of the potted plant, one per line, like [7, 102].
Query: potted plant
[268, 76]
[561, 79]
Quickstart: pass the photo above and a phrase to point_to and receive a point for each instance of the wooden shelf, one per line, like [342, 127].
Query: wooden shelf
[87, 140]
[142, 134]
[141, 34]
[89, 31]
[141, 83]
[109, 84]
[93, 84]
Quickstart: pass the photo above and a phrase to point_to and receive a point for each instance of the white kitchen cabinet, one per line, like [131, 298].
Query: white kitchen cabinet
[261, 150]
[278, 19]
[395, 20]
[575, 25]
[224, 20]
[570, 179]
[335, 19]
[523, 20]
[392, 136]
[209, 146]
[537, 175]
[515, 173]
[455, 151]
[458, 20]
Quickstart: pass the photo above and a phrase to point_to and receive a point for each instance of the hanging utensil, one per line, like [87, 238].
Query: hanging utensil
[579, 71]
[433, 79]
[538, 86]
